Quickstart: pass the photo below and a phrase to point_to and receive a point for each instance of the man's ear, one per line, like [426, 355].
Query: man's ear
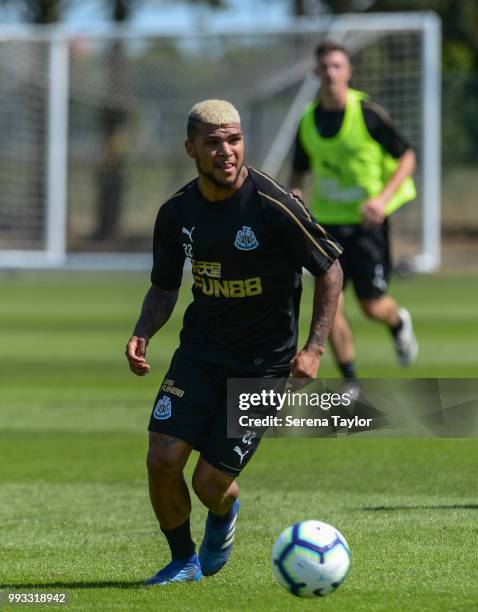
[188, 145]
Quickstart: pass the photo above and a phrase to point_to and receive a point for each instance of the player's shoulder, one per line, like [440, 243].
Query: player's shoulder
[182, 195]
[285, 210]
[375, 111]
[274, 193]
[174, 210]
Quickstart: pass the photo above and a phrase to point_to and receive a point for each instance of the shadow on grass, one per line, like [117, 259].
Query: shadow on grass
[110, 584]
[424, 507]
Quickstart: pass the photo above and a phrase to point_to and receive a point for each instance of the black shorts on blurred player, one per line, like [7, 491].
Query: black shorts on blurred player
[191, 406]
[365, 259]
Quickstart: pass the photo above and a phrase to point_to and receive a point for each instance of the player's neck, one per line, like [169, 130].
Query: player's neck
[214, 193]
[333, 100]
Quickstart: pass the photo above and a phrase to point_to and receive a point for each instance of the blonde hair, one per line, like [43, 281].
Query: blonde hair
[213, 112]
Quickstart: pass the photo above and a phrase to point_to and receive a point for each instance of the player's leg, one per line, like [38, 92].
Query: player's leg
[383, 309]
[214, 482]
[180, 421]
[341, 342]
[372, 267]
[171, 502]
[222, 460]
[168, 491]
[219, 492]
[340, 337]
[399, 321]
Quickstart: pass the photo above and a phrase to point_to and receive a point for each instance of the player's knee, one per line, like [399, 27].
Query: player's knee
[163, 465]
[370, 308]
[208, 488]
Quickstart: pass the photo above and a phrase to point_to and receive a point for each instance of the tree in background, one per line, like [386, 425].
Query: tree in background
[460, 72]
[459, 26]
[113, 118]
[459, 22]
[38, 11]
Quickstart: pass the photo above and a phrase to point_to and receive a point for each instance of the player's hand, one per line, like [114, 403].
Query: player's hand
[136, 355]
[305, 365]
[373, 212]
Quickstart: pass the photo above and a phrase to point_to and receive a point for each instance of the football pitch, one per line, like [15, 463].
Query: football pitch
[74, 509]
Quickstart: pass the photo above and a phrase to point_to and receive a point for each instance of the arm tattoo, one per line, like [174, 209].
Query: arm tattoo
[167, 442]
[157, 307]
[326, 298]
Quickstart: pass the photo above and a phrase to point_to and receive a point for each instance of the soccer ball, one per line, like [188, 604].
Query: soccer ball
[310, 559]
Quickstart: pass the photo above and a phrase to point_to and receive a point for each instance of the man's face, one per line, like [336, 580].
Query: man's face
[334, 70]
[218, 153]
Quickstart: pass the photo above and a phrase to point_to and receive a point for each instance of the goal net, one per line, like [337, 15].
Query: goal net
[94, 125]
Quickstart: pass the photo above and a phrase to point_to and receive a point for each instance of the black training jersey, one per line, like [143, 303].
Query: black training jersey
[377, 121]
[247, 254]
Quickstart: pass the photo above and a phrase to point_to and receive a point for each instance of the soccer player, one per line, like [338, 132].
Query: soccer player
[362, 171]
[248, 239]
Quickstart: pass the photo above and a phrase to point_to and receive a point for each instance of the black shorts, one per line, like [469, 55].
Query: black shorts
[365, 259]
[191, 406]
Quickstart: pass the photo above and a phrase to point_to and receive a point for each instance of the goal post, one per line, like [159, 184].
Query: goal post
[94, 124]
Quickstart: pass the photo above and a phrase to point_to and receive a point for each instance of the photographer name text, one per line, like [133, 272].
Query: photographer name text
[290, 421]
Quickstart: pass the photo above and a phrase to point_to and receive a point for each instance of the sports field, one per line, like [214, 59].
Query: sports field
[74, 507]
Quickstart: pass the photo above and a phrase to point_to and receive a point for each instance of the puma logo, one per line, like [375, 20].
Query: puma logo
[238, 450]
[189, 233]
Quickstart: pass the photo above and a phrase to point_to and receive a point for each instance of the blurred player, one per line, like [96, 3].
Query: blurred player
[248, 239]
[362, 171]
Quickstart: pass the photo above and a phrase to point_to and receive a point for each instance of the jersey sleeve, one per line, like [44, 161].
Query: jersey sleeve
[382, 129]
[168, 254]
[306, 241]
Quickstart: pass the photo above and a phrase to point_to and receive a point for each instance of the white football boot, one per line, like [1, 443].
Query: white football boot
[406, 345]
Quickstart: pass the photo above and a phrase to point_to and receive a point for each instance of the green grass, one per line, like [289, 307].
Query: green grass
[74, 507]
